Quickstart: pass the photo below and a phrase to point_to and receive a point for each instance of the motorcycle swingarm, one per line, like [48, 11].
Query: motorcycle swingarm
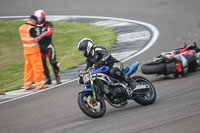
[140, 87]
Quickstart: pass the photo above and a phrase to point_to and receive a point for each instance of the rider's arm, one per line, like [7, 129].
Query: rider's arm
[88, 64]
[33, 34]
[105, 55]
[49, 25]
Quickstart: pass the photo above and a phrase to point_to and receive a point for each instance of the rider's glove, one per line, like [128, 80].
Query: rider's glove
[98, 64]
[81, 80]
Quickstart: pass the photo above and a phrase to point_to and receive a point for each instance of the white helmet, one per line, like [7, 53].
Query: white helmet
[40, 16]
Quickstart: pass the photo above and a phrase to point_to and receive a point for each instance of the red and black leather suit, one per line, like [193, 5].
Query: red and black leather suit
[48, 50]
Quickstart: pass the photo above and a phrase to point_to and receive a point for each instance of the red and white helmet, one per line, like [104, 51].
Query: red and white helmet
[40, 16]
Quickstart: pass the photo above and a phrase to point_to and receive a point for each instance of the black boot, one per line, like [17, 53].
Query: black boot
[48, 81]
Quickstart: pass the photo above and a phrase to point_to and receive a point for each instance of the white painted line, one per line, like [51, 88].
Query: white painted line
[35, 92]
[150, 26]
[56, 17]
[16, 93]
[151, 42]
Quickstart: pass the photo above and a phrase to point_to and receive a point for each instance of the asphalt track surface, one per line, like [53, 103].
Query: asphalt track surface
[177, 109]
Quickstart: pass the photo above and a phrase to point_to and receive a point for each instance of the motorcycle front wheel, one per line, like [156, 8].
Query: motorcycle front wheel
[88, 106]
[147, 95]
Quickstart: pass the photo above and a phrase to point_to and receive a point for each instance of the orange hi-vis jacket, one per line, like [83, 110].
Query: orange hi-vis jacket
[30, 45]
[33, 69]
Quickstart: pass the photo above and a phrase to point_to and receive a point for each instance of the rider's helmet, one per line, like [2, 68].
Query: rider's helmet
[85, 46]
[40, 16]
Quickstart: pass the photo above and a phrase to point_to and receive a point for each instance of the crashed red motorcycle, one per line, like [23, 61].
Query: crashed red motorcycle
[175, 63]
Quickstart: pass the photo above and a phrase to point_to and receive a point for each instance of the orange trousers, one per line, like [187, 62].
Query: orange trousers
[33, 71]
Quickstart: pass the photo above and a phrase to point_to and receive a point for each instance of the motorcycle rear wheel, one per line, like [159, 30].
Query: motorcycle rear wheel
[145, 96]
[89, 107]
[153, 68]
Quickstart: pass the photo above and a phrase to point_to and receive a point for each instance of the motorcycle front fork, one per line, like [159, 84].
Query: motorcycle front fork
[93, 91]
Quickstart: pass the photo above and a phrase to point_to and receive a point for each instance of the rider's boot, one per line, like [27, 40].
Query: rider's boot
[48, 80]
[58, 81]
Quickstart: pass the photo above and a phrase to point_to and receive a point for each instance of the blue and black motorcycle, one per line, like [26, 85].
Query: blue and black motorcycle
[100, 87]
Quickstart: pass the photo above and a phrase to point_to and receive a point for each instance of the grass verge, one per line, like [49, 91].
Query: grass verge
[65, 39]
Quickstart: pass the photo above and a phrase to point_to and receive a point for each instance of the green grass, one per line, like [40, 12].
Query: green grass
[65, 38]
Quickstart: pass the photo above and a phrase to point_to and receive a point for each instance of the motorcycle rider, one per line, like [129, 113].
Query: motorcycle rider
[47, 47]
[99, 56]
